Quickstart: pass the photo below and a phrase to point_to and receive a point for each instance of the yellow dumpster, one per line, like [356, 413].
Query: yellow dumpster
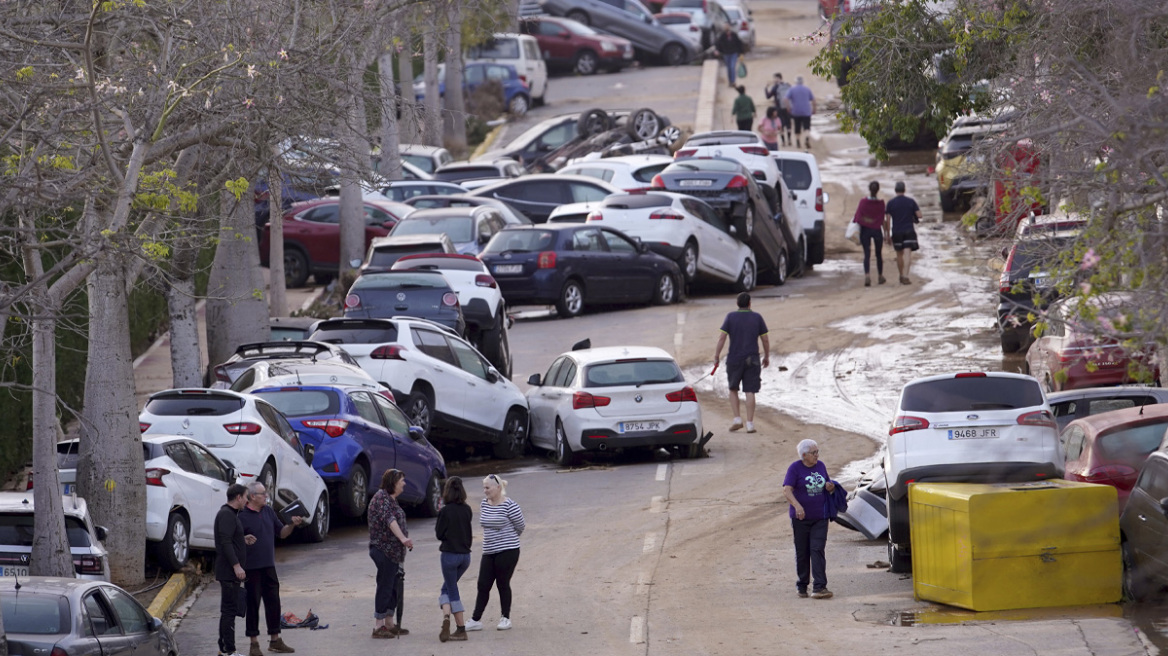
[1023, 545]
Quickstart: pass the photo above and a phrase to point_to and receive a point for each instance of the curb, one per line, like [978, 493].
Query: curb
[488, 141]
[707, 96]
[174, 591]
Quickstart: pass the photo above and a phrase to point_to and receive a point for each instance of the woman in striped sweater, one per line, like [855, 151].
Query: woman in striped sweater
[502, 522]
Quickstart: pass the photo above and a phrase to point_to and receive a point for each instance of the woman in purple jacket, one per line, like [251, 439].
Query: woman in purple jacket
[806, 487]
[873, 230]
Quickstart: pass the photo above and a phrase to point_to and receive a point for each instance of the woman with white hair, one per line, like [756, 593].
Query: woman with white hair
[502, 522]
[807, 487]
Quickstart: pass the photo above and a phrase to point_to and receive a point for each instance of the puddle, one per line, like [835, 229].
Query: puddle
[948, 615]
[1151, 619]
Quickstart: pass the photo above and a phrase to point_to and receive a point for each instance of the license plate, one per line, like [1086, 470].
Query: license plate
[694, 183]
[15, 571]
[638, 426]
[972, 433]
[509, 268]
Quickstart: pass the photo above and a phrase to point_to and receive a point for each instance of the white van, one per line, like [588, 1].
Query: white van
[801, 174]
[522, 52]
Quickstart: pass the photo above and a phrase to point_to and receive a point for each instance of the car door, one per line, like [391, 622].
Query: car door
[207, 482]
[375, 221]
[635, 270]
[590, 257]
[485, 403]
[1074, 440]
[717, 249]
[442, 371]
[101, 621]
[373, 436]
[1146, 527]
[293, 475]
[556, 42]
[799, 180]
[473, 77]
[318, 230]
[541, 407]
[408, 454]
[535, 198]
[137, 625]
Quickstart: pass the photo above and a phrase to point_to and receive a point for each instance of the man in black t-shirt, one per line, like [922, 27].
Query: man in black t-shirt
[905, 213]
[230, 560]
[744, 329]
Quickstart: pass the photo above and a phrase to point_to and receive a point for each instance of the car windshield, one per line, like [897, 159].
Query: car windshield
[299, 403]
[796, 173]
[578, 28]
[467, 173]
[458, 228]
[1034, 253]
[183, 405]
[33, 613]
[496, 49]
[421, 161]
[521, 241]
[399, 280]
[16, 531]
[1130, 445]
[632, 372]
[971, 393]
[711, 165]
[355, 332]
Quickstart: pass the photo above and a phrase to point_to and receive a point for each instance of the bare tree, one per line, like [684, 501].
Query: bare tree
[455, 123]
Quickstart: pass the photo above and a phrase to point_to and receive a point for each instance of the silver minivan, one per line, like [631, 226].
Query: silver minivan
[629, 19]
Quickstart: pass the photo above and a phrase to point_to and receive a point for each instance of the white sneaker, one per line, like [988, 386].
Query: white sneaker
[736, 424]
[474, 625]
[504, 624]
[750, 427]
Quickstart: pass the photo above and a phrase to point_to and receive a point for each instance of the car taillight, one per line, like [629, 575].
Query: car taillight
[745, 26]
[1037, 418]
[28, 483]
[389, 395]
[594, 215]
[450, 299]
[667, 214]
[221, 374]
[483, 280]
[242, 428]
[154, 476]
[684, 152]
[523, 79]
[143, 427]
[1114, 475]
[586, 400]
[547, 260]
[970, 374]
[819, 199]
[737, 182]
[754, 150]
[57, 651]
[906, 423]
[331, 427]
[681, 395]
[387, 352]
[657, 183]
[352, 301]
[1004, 285]
[87, 565]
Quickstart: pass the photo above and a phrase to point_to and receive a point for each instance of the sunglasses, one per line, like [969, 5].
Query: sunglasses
[494, 478]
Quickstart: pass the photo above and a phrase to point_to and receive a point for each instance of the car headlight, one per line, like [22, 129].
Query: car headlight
[607, 47]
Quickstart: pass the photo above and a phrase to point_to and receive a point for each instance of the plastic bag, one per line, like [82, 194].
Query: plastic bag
[741, 68]
[852, 233]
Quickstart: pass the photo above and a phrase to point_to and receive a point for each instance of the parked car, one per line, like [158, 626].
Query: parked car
[801, 177]
[572, 212]
[612, 399]
[516, 93]
[1075, 404]
[630, 173]
[469, 228]
[511, 215]
[402, 190]
[739, 145]
[478, 296]
[572, 265]
[684, 229]
[1143, 528]
[708, 15]
[521, 52]
[628, 19]
[1110, 448]
[538, 194]
[536, 141]
[422, 294]
[312, 236]
[739, 17]
[426, 158]
[685, 26]
[248, 434]
[248, 354]
[972, 427]
[297, 185]
[290, 329]
[960, 173]
[568, 45]
[459, 172]
[452, 393]
[385, 251]
[359, 435]
[63, 617]
[306, 372]
[90, 558]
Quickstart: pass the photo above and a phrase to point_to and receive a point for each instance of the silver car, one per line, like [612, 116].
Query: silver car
[629, 19]
[80, 618]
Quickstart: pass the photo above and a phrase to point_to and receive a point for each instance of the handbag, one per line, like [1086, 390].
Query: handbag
[240, 601]
[852, 233]
[741, 68]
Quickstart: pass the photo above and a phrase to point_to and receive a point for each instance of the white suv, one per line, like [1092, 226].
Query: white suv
[90, 558]
[975, 427]
[449, 389]
[522, 52]
[741, 145]
[800, 173]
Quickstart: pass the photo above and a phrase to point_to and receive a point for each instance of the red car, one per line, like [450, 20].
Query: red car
[1110, 448]
[571, 46]
[312, 236]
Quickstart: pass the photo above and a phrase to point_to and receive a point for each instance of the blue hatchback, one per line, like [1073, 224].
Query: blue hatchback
[358, 435]
[516, 93]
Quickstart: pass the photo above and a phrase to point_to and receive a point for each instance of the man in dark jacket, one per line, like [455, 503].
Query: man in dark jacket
[230, 558]
[729, 48]
[261, 527]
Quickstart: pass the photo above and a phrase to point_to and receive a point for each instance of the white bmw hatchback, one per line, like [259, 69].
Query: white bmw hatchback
[610, 398]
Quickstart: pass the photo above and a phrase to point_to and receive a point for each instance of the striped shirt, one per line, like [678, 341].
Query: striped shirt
[501, 524]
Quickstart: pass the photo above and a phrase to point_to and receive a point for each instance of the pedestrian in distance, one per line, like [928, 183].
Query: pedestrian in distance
[743, 109]
[873, 231]
[744, 328]
[230, 558]
[261, 527]
[389, 539]
[454, 537]
[903, 213]
[777, 93]
[806, 487]
[770, 127]
[729, 47]
[801, 104]
[502, 522]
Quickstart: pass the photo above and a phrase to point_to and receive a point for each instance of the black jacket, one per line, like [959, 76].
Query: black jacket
[728, 43]
[230, 549]
[453, 528]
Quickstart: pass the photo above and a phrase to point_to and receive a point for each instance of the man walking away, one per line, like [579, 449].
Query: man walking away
[744, 328]
[729, 48]
[743, 109]
[905, 214]
[801, 104]
[230, 557]
[260, 527]
[778, 93]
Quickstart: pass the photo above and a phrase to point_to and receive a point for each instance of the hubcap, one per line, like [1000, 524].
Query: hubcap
[359, 485]
[518, 105]
[515, 432]
[181, 539]
[574, 299]
[587, 64]
[321, 516]
[646, 125]
[691, 263]
[561, 444]
[747, 276]
[667, 288]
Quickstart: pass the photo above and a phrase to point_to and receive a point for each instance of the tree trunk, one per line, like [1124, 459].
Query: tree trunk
[237, 312]
[186, 358]
[408, 126]
[455, 123]
[355, 154]
[110, 464]
[50, 547]
[277, 291]
[389, 165]
[432, 122]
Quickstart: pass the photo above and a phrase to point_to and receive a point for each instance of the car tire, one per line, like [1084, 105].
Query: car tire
[816, 248]
[799, 262]
[268, 478]
[494, 345]
[899, 562]
[420, 410]
[587, 63]
[688, 261]
[665, 291]
[563, 454]
[673, 54]
[779, 275]
[745, 224]
[592, 122]
[571, 301]
[747, 278]
[579, 16]
[1010, 341]
[432, 502]
[1135, 587]
[295, 267]
[671, 135]
[948, 203]
[513, 440]
[316, 530]
[174, 551]
[519, 105]
[644, 124]
[355, 492]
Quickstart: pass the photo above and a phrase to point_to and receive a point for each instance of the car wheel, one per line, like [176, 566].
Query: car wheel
[799, 262]
[420, 409]
[571, 301]
[295, 267]
[513, 441]
[268, 478]
[947, 202]
[432, 502]
[173, 552]
[745, 224]
[898, 561]
[579, 17]
[518, 105]
[671, 135]
[593, 122]
[1010, 341]
[644, 124]
[355, 491]
[563, 454]
[688, 261]
[673, 54]
[665, 291]
[494, 345]
[587, 63]
[746, 278]
[1135, 587]
[318, 528]
[779, 275]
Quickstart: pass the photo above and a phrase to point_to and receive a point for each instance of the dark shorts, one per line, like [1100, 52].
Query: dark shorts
[801, 123]
[903, 240]
[747, 373]
[785, 117]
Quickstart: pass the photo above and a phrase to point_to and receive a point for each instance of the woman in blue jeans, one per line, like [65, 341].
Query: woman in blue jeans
[873, 231]
[454, 533]
[806, 487]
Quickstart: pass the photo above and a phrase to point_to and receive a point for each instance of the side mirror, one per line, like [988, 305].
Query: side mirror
[533, 380]
[492, 376]
[309, 453]
[155, 624]
[417, 434]
[1005, 252]
[1164, 506]
[355, 263]
[102, 532]
[231, 475]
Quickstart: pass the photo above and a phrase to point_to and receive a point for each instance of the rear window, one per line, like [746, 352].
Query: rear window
[299, 403]
[632, 372]
[16, 530]
[637, 201]
[1131, 444]
[467, 173]
[726, 139]
[733, 14]
[796, 173]
[458, 228]
[291, 368]
[521, 241]
[385, 256]
[453, 263]
[704, 164]
[496, 49]
[674, 19]
[34, 614]
[355, 332]
[183, 405]
[1035, 253]
[687, 4]
[402, 280]
[646, 174]
[974, 393]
